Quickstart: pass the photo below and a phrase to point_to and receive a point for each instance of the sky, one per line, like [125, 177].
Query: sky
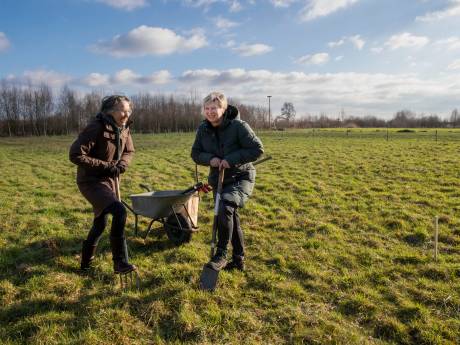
[365, 57]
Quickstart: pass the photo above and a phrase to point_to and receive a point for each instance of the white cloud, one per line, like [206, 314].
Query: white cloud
[41, 76]
[52, 78]
[160, 77]
[406, 40]
[356, 40]
[455, 65]
[315, 59]
[127, 77]
[235, 6]
[338, 43]
[362, 93]
[321, 8]
[339, 58]
[451, 43]
[146, 40]
[282, 3]
[128, 5]
[4, 42]
[201, 3]
[245, 49]
[224, 24]
[96, 79]
[451, 11]
[376, 50]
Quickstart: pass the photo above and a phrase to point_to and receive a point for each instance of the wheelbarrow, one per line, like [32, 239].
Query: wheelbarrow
[167, 207]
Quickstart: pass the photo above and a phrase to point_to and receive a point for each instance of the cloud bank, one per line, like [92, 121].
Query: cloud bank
[145, 40]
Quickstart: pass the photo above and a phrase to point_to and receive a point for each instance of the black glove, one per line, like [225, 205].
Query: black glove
[121, 167]
[116, 169]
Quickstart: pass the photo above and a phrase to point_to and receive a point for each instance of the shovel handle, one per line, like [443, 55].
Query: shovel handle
[216, 210]
[221, 180]
[117, 187]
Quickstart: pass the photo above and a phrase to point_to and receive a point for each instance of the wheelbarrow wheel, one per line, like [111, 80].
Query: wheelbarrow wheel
[174, 231]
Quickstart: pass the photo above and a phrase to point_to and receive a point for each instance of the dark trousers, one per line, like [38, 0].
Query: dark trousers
[118, 212]
[229, 229]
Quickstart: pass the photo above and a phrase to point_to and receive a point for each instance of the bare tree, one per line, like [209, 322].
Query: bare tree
[288, 111]
[455, 118]
[10, 104]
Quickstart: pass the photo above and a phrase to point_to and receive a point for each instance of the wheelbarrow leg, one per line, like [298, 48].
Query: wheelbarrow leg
[149, 229]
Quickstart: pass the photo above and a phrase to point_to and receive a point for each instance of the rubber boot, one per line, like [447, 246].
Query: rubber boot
[88, 252]
[237, 263]
[218, 261]
[120, 256]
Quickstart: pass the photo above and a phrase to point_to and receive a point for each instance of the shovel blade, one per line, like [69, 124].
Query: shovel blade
[208, 279]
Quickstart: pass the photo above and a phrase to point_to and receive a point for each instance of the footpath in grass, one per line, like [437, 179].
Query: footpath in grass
[339, 236]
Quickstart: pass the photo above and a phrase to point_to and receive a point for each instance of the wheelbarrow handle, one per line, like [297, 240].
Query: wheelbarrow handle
[259, 161]
[262, 160]
[193, 188]
[147, 187]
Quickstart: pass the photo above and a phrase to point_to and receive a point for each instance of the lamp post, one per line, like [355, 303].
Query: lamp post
[269, 113]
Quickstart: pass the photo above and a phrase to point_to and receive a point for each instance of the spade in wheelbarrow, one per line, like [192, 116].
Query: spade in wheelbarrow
[176, 210]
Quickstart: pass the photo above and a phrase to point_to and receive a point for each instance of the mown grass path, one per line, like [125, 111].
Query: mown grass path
[339, 238]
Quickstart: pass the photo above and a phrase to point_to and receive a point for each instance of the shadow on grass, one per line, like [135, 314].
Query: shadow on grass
[34, 271]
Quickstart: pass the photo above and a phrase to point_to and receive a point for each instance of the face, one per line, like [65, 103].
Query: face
[121, 113]
[213, 113]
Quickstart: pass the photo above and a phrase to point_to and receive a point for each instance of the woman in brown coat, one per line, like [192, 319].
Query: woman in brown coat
[103, 151]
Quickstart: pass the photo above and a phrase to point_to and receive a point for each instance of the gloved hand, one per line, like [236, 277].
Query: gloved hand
[206, 188]
[116, 169]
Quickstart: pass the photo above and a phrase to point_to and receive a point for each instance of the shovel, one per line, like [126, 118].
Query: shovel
[124, 284]
[208, 278]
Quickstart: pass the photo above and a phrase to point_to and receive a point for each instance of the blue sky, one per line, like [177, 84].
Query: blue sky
[363, 56]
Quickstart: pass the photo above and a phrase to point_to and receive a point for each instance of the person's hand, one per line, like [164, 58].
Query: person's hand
[121, 167]
[116, 169]
[224, 164]
[215, 162]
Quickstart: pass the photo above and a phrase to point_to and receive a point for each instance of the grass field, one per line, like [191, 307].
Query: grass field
[339, 236]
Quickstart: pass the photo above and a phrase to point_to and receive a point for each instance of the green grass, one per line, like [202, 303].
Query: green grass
[339, 236]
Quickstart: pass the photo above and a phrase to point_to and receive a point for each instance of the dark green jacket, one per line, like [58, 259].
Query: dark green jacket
[235, 142]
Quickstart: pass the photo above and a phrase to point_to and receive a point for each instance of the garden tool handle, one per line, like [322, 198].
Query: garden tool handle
[221, 180]
[117, 187]
[257, 162]
[147, 187]
[216, 210]
[193, 188]
[262, 160]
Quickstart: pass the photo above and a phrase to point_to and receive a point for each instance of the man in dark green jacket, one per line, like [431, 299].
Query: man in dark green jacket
[224, 141]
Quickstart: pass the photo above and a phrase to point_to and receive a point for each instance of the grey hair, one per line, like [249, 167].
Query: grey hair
[109, 102]
[218, 98]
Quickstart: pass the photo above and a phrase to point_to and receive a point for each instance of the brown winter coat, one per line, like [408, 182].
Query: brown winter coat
[94, 152]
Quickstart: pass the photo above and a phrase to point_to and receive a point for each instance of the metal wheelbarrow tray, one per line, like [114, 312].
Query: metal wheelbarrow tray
[167, 207]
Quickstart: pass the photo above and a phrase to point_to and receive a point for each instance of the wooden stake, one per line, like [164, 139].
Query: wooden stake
[436, 233]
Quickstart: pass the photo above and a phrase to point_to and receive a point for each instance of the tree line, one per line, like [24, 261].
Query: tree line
[37, 110]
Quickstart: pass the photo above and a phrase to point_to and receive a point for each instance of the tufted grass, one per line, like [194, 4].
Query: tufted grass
[339, 236]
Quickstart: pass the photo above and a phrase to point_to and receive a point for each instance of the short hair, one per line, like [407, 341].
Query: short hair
[217, 97]
[109, 102]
